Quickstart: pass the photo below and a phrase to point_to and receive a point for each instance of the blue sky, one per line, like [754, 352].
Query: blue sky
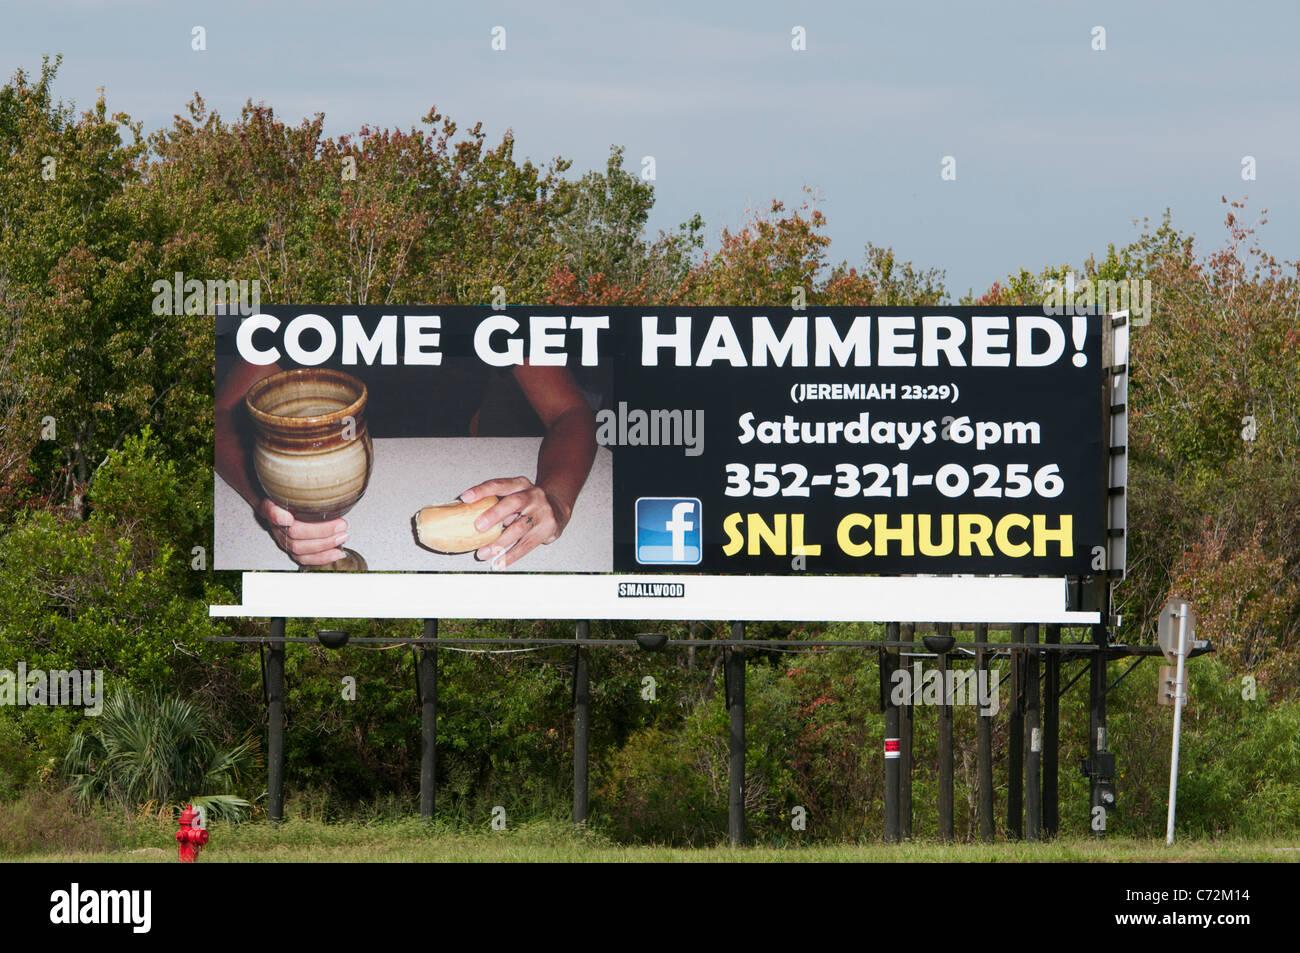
[1058, 147]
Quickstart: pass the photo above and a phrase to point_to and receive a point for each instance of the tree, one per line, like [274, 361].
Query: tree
[774, 254]
[89, 353]
[763, 262]
[1214, 426]
[607, 258]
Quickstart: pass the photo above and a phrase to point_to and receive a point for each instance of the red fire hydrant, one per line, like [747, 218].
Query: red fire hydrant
[191, 838]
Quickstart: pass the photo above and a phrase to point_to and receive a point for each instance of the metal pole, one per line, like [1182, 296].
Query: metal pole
[907, 632]
[1015, 743]
[736, 704]
[1179, 695]
[1034, 739]
[1097, 722]
[275, 725]
[1051, 734]
[888, 664]
[428, 721]
[984, 743]
[945, 745]
[581, 726]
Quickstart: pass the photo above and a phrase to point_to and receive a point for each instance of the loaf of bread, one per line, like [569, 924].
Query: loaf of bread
[450, 528]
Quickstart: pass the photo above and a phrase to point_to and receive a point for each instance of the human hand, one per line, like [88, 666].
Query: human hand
[307, 544]
[532, 518]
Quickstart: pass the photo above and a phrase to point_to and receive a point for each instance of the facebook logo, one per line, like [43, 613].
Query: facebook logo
[668, 531]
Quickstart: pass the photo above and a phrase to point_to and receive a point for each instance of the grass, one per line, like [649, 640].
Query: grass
[554, 841]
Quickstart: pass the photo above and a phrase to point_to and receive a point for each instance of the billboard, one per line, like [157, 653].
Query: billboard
[661, 440]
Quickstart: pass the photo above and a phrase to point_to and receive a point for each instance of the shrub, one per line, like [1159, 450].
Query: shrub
[42, 821]
[156, 752]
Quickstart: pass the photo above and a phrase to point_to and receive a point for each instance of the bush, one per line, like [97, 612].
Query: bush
[42, 821]
[18, 761]
[156, 753]
[1239, 765]
[670, 785]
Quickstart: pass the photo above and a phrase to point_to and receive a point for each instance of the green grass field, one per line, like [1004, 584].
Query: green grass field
[314, 841]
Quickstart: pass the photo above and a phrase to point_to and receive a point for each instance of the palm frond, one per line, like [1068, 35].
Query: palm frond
[152, 750]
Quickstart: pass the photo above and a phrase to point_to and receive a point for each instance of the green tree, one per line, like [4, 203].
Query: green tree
[607, 258]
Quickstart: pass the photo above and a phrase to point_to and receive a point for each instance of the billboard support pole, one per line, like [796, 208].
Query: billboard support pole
[1051, 732]
[888, 663]
[275, 724]
[428, 721]
[581, 724]
[984, 743]
[1097, 724]
[1034, 741]
[945, 744]
[736, 707]
[1016, 742]
[907, 633]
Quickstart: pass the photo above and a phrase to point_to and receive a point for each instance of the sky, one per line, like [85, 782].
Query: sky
[1060, 149]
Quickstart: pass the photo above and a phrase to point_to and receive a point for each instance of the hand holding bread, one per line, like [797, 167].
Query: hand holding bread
[499, 520]
[450, 528]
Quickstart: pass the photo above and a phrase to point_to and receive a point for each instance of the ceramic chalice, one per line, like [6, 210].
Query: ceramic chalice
[311, 449]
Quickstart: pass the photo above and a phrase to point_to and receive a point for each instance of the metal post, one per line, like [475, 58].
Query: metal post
[907, 633]
[736, 706]
[888, 663]
[428, 721]
[275, 724]
[1097, 724]
[1179, 695]
[945, 745]
[1034, 742]
[1051, 733]
[984, 742]
[581, 725]
[1015, 743]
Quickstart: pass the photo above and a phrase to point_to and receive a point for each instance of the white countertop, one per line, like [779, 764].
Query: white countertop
[412, 473]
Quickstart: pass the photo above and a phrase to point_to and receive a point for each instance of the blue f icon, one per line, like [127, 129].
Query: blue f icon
[668, 531]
